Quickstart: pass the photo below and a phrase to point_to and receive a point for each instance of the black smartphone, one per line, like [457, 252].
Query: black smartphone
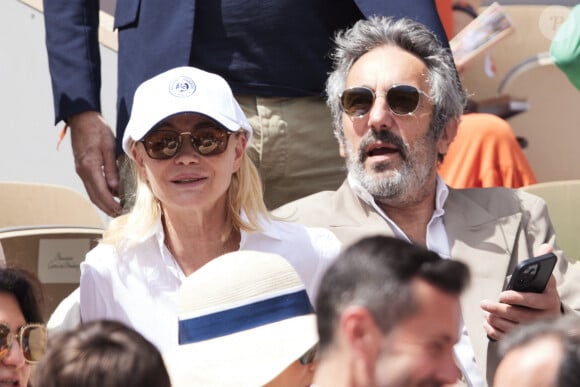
[532, 275]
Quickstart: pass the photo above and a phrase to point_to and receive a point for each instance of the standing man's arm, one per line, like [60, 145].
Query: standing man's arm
[75, 70]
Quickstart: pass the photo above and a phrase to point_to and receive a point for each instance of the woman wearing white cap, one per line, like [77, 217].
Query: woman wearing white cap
[198, 196]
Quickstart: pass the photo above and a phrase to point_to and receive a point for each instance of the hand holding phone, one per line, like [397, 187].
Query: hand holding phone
[529, 276]
[532, 275]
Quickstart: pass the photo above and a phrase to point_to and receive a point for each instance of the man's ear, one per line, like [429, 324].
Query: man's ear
[341, 149]
[360, 332]
[362, 340]
[448, 135]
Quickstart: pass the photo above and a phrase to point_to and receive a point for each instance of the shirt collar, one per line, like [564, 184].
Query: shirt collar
[169, 260]
[441, 194]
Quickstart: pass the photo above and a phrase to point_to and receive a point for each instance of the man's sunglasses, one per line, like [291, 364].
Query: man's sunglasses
[31, 337]
[162, 144]
[402, 100]
[309, 356]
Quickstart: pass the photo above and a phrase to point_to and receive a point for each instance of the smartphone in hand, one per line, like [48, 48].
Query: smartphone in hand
[532, 275]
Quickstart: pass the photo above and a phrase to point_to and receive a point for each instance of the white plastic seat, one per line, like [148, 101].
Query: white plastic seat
[47, 230]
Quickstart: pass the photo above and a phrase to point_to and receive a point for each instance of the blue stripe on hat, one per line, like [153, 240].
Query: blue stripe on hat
[244, 317]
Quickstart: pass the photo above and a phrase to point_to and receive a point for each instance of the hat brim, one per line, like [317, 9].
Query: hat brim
[249, 358]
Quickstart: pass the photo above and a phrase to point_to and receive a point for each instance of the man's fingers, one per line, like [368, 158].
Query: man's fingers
[98, 190]
[111, 173]
[93, 146]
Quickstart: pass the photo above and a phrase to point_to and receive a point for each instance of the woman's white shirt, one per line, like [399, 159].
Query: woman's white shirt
[139, 287]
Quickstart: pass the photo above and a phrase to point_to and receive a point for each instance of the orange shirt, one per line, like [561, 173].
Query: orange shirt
[485, 153]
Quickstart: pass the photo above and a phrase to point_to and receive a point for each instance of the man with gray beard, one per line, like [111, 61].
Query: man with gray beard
[396, 102]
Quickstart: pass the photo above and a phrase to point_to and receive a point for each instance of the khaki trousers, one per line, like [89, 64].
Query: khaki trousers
[293, 146]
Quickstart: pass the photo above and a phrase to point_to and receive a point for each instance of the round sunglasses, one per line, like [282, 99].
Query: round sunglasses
[32, 338]
[162, 144]
[402, 100]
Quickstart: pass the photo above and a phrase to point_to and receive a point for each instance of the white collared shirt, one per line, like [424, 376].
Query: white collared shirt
[140, 286]
[438, 242]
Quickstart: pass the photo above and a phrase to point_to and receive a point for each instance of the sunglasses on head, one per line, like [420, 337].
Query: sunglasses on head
[31, 337]
[402, 100]
[162, 144]
[309, 356]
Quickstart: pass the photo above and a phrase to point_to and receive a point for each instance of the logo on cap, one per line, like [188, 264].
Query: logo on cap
[182, 87]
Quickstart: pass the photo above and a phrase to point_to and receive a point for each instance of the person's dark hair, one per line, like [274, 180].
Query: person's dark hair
[101, 353]
[569, 373]
[566, 329]
[377, 273]
[26, 289]
[447, 94]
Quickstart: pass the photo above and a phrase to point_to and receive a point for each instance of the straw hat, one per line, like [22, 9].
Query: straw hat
[244, 317]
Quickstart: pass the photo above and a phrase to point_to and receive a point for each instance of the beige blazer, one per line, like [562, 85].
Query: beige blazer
[489, 229]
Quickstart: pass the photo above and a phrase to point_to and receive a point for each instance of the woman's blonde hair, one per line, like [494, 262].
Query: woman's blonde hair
[245, 194]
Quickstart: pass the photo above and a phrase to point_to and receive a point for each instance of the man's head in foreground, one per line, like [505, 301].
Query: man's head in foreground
[388, 315]
[542, 354]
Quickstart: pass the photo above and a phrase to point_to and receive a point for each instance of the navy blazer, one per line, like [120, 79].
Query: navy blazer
[154, 36]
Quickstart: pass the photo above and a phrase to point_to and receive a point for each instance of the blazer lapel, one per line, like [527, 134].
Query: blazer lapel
[354, 219]
[485, 243]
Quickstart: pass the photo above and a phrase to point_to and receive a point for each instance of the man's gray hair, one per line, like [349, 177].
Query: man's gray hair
[447, 95]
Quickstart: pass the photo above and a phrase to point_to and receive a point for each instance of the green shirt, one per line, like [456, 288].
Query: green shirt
[565, 48]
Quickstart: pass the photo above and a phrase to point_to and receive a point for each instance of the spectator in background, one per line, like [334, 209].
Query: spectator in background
[542, 354]
[198, 197]
[485, 151]
[23, 335]
[245, 320]
[388, 314]
[396, 109]
[273, 54]
[98, 354]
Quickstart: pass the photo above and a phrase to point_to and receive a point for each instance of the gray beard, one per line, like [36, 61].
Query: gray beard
[399, 186]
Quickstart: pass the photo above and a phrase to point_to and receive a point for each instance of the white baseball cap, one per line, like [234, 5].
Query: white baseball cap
[183, 90]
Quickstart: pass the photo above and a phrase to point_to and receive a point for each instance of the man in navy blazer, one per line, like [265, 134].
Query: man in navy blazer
[273, 54]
